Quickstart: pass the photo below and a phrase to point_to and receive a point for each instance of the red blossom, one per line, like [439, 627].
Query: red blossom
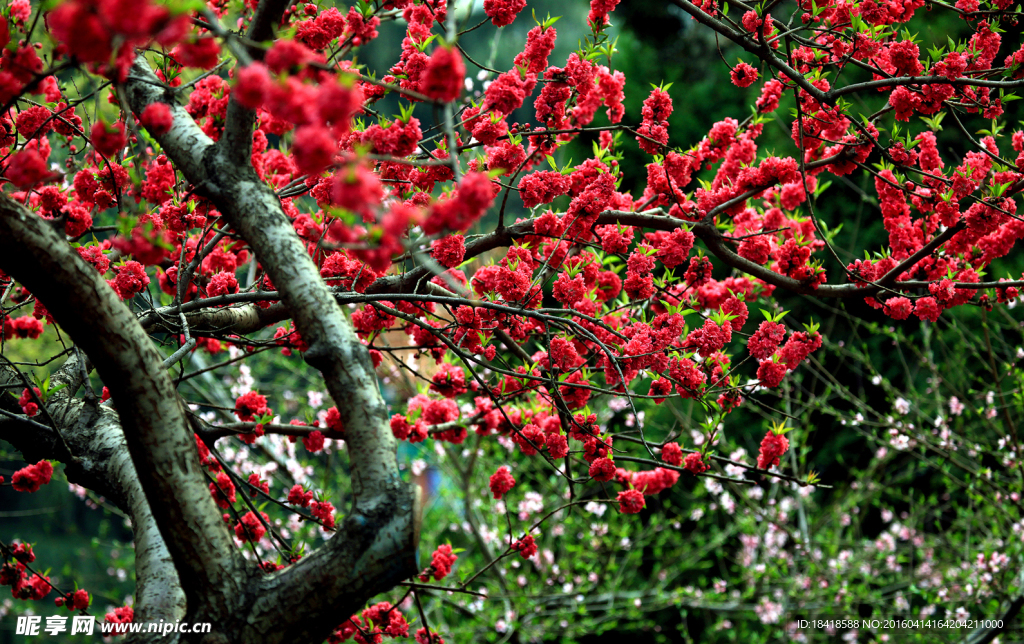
[314, 442]
[31, 478]
[602, 469]
[203, 53]
[250, 528]
[743, 75]
[773, 446]
[672, 454]
[503, 12]
[631, 501]
[440, 563]
[770, 373]
[501, 482]
[526, 547]
[449, 251]
[108, 138]
[27, 168]
[157, 118]
[694, 463]
[442, 79]
[121, 617]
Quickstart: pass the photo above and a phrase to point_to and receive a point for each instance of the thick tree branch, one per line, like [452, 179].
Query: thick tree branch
[159, 440]
[95, 453]
[378, 541]
[268, 14]
[239, 121]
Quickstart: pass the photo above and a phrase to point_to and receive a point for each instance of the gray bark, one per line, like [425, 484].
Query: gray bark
[95, 453]
[158, 437]
[376, 547]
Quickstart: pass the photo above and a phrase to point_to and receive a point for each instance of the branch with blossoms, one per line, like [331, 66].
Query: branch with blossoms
[284, 169]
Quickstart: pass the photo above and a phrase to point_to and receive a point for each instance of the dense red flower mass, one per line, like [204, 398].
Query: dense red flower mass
[766, 340]
[108, 138]
[250, 404]
[78, 600]
[250, 528]
[120, 615]
[503, 12]
[527, 546]
[602, 469]
[27, 168]
[770, 373]
[743, 75]
[270, 202]
[298, 496]
[672, 454]
[28, 399]
[223, 490]
[449, 251]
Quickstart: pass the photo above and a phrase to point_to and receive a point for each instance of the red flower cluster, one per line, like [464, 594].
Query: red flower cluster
[78, 600]
[300, 497]
[463, 207]
[543, 187]
[773, 446]
[602, 469]
[26, 326]
[442, 79]
[314, 442]
[766, 340]
[526, 546]
[27, 401]
[31, 478]
[108, 139]
[223, 491]
[672, 454]
[250, 528]
[250, 405]
[656, 110]
[743, 75]
[90, 29]
[449, 251]
[631, 501]
[324, 511]
[503, 12]
[130, 281]
[501, 482]
[694, 463]
[121, 616]
[23, 585]
[440, 563]
[599, 10]
[370, 626]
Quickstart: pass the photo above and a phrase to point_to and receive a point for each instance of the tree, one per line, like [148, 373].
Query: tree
[235, 180]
